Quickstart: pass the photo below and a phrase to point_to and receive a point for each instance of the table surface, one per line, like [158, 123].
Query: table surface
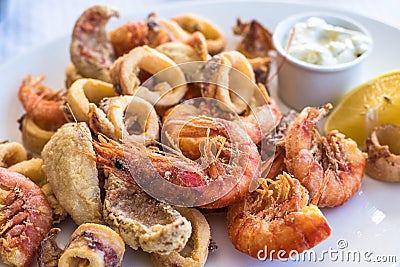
[25, 24]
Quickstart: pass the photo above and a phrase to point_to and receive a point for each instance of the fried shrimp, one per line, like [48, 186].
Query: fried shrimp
[25, 218]
[221, 147]
[33, 169]
[127, 207]
[276, 217]
[41, 103]
[331, 167]
[226, 174]
[91, 51]
[215, 39]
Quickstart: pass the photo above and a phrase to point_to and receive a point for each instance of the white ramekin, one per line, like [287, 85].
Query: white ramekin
[304, 84]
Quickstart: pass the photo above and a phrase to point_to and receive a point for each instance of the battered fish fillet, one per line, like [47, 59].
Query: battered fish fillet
[141, 220]
[70, 168]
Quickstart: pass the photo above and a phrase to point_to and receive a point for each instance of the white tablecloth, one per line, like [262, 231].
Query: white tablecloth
[26, 23]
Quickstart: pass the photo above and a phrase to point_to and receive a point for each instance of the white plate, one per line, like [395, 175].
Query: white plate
[368, 222]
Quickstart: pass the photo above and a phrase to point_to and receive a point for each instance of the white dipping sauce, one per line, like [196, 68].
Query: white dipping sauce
[317, 42]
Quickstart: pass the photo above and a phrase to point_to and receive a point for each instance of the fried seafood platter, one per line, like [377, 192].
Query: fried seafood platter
[166, 146]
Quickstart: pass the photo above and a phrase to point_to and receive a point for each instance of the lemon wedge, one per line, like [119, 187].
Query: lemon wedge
[366, 106]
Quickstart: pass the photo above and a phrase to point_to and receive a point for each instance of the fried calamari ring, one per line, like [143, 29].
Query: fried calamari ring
[93, 245]
[32, 169]
[85, 91]
[194, 49]
[33, 137]
[125, 117]
[383, 148]
[91, 51]
[25, 218]
[199, 241]
[179, 52]
[215, 38]
[125, 70]
[70, 167]
[11, 153]
[234, 80]
[141, 220]
[174, 31]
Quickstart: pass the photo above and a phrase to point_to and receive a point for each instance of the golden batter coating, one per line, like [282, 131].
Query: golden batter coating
[141, 220]
[70, 168]
[199, 240]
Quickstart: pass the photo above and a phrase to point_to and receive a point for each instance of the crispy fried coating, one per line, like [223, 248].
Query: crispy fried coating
[70, 168]
[199, 240]
[141, 220]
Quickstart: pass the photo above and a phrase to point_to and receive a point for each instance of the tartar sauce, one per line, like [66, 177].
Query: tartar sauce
[317, 42]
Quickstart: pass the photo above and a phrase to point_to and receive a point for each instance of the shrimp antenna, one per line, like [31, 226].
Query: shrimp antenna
[174, 151]
[69, 110]
[174, 147]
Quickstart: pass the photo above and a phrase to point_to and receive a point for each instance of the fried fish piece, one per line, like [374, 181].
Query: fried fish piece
[70, 166]
[141, 220]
